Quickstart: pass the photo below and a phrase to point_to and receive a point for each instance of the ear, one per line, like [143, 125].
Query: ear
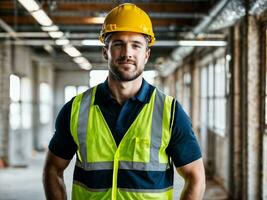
[105, 52]
[147, 55]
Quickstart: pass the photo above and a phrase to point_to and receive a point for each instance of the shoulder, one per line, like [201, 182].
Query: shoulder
[66, 109]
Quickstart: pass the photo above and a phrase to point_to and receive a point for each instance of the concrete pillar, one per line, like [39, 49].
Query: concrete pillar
[253, 131]
[195, 96]
[264, 178]
[264, 117]
[237, 164]
[5, 56]
[179, 88]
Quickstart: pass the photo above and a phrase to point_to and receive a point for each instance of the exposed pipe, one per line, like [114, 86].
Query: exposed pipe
[8, 29]
[179, 54]
[223, 15]
[258, 7]
[208, 20]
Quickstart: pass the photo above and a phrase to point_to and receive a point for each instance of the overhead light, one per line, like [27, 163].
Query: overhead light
[71, 51]
[228, 57]
[62, 42]
[48, 48]
[95, 20]
[55, 34]
[80, 60]
[195, 43]
[29, 5]
[42, 18]
[50, 28]
[92, 43]
[166, 43]
[86, 66]
[191, 43]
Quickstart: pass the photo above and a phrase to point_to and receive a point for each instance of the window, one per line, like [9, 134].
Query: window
[150, 75]
[210, 95]
[97, 76]
[187, 90]
[70, 91]
[45, 103]
[26, 106]
[166, 89]
[220, 97]
[204, 97]
[213, 96]
[20, 102]
[15, 104]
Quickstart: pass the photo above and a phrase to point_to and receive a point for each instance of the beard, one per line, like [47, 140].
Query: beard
[119, 74]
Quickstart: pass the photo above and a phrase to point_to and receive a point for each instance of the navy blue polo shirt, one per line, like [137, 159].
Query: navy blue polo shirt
[183, 147]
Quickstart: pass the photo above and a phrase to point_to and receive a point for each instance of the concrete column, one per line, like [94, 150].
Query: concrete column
[5, 55]
[179, 89]
[237, 164]
[264, 178]
[195, 96]
[253, 131]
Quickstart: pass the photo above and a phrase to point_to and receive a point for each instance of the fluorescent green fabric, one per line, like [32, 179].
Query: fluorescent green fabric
[134, 147]
[163, 158]
[80, 193]
[167, 195]
[74, 121]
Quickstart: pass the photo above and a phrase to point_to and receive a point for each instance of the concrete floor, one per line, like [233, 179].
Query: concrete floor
[26, 183]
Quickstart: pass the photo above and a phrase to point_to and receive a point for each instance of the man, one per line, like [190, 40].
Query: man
[125, 132]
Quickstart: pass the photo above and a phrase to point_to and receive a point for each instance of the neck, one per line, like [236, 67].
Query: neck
[122, 91]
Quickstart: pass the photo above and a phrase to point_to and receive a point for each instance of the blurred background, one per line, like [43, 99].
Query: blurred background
[209, 54]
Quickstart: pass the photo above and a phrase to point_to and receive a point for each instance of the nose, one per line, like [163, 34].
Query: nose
[126, 51]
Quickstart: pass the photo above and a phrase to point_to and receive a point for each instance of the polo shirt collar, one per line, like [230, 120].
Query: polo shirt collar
[104, 94]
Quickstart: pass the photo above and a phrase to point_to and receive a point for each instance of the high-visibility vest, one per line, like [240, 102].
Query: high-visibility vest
[142, 149]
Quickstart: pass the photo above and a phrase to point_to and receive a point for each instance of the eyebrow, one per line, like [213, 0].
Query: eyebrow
[133, 41]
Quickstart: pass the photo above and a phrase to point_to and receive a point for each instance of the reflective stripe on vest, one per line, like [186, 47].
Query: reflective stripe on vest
[116, 158]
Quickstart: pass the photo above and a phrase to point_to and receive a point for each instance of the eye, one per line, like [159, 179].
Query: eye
[136, 46]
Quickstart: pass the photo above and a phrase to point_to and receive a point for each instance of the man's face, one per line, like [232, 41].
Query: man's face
[127, 54]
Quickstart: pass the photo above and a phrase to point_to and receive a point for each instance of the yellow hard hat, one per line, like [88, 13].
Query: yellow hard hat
[127, 17]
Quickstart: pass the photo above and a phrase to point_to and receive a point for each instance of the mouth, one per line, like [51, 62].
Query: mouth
[126, 63]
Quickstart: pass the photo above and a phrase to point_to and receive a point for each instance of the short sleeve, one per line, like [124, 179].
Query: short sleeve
[183, 147]
[62, 143]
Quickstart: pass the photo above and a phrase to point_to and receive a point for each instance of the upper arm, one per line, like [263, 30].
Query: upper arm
[62, 137]
[183, 147]
[193, 171]
[55, 164]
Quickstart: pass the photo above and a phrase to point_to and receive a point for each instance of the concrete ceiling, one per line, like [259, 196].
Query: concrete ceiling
[172, 20]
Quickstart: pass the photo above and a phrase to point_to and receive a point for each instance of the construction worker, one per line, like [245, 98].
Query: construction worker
[126, 134]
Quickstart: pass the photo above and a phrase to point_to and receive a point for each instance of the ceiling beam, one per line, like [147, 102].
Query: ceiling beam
[178, 7]
[77, 20]
[200, 7]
